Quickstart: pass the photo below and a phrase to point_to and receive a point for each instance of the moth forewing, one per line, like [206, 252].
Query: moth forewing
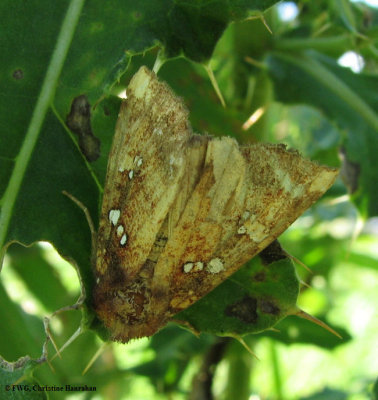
[272, 205]
[182, 212]
[227, 195]
[195, 160]
[276, 187]
[209, 218]
[281, 185]
[145, 168]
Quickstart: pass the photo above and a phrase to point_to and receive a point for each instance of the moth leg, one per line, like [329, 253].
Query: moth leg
[89, 220]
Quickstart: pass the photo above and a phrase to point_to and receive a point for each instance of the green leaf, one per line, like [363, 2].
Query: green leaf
[206, 112]
[173, 347]
[293, 330]
[375, 390]
[19, 374]
[328, 394]
[254, 299]
[345, 12]
[31, 333]
[41, 211]
[45, 285]
[345, 98]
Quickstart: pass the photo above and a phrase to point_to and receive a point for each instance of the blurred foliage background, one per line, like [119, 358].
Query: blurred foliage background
[310, 83]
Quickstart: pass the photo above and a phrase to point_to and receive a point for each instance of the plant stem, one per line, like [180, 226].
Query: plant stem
[329, 80]
[339, 43]
[238, 382]
[276, 371]
[44, 100]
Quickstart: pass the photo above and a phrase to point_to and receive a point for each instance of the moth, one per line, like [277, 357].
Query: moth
[181, 212]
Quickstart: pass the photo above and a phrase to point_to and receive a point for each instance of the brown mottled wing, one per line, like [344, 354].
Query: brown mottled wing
[182, 212]
[210, 214]
[146, 163]
[281, 185]
[244, 200]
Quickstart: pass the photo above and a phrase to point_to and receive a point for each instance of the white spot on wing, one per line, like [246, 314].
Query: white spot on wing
[131, 174]
[215, 266]
[258, 232]
[158, 131]
[138, 161]
[198, 266]
[188, 267]
[242, 230]
[114, 216]
[193, 266]
[120, 230]
[123, 239]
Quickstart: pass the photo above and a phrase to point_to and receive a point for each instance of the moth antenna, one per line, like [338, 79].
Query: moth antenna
[215, 84]
[304, 315]
[88, 217]
[244, 344]
[295, 259]
[94, 358]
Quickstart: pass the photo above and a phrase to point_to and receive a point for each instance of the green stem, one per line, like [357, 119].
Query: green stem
[238, 382]
[277, 382]
[45, 97]
[339, 43]
[329, 80]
